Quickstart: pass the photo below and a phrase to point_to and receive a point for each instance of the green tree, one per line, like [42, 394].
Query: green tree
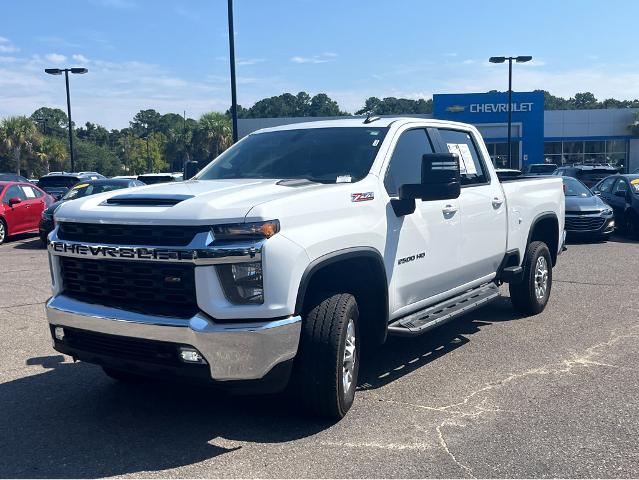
[145, 122]
[585, 100]
[89, 156]
[54, 155]
[214, 134]
[323, 106]
[18, 134]
[396, 106]
[51, 121]
[93, 133]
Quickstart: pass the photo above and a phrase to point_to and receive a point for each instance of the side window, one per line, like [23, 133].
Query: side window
[606, 185]
[29, 192]
[473, 169]
[13, 192]
[621, 186]
[406, 162]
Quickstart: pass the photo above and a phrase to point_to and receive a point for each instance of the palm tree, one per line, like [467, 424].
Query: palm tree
[18, 133]
[215, 132]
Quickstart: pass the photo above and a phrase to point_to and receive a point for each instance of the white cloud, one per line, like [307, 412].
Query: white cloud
[80, 58]
[6, 46]
[249, 61]
[322, 58]
[55, 57]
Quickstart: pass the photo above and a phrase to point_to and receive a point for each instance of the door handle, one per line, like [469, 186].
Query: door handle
[497, 202]
[449, 209]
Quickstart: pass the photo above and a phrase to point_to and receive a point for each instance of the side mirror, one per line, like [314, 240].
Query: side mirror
[190, 169]
[440, 181]
[13, 201]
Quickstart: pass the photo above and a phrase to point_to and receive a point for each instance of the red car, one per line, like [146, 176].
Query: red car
[21, 206]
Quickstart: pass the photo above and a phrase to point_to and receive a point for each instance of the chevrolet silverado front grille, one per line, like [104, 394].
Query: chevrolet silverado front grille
[152, 288]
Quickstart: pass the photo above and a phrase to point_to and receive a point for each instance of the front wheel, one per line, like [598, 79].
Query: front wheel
[531, 294]
[3, 231]
[327, 365]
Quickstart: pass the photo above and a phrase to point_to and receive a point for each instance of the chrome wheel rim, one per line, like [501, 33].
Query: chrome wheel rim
[541, 278]
[348, 362]
[1, 232]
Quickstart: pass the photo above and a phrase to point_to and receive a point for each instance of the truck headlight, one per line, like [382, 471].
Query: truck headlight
[252, 230]
[242, 282]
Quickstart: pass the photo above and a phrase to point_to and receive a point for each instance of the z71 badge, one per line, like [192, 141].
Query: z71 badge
[362, 197]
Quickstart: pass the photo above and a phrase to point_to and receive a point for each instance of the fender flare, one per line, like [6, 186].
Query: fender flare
[338, 256]
[536, 220]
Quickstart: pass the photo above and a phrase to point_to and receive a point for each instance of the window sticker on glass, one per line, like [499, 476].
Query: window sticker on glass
[344, 179]
[466, 162]
[28, 191]
[375, 143]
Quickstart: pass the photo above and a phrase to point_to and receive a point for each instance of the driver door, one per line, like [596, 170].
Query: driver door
[423, 246]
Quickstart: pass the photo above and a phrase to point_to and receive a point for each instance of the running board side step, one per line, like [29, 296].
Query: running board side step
[431, 317]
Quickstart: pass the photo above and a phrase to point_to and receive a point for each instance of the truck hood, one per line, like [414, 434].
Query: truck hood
[185, 203]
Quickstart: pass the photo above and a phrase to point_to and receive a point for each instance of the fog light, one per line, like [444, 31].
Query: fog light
[59, 333]
[191, 355]
[612, 223]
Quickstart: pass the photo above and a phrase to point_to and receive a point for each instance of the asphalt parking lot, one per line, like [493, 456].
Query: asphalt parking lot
[490, 395]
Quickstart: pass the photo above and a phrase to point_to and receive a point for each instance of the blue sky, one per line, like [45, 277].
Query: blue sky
[173, 55]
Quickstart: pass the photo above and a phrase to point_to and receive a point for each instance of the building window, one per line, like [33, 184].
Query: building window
[499, 153]
[590, 152]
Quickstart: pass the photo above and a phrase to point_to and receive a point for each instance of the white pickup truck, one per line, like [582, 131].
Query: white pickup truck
[276, 262]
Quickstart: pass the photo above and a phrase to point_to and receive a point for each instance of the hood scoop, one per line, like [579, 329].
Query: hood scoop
[295, 182]
[146, 200]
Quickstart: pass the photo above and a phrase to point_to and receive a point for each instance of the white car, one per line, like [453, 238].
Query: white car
[295, 246]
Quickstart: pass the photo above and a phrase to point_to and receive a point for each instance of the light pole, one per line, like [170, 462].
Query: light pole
[519, 59]
[58, 71]
[232, 61]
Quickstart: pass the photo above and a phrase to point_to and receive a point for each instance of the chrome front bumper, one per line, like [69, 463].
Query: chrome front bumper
[233, 351]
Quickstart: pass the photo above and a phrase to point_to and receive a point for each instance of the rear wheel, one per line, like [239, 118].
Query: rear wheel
[3, 231]
[327, 365]
[531, 295]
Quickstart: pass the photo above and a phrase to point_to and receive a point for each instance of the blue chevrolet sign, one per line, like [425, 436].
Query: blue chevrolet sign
[489, 110]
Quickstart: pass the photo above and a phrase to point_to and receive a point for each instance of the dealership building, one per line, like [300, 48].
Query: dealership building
[555, 136]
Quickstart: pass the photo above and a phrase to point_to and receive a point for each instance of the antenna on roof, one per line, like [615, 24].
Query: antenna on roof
[370, 118]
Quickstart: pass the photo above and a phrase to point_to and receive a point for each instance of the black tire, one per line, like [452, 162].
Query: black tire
[3, 231]
[523, 295]
[43, 239]
[122, 376]
[318, 376]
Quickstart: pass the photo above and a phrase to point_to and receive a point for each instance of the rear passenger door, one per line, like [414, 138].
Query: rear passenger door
[482, 206]
[35, 205]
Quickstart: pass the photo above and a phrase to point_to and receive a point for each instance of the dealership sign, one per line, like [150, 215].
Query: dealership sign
[500, 107]
[489, 112]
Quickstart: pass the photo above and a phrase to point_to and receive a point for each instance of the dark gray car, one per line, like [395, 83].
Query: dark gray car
[587, 215]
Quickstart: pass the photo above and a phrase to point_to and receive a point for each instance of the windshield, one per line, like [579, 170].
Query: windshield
[574, 188]
[326, 155]
[85, 189]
